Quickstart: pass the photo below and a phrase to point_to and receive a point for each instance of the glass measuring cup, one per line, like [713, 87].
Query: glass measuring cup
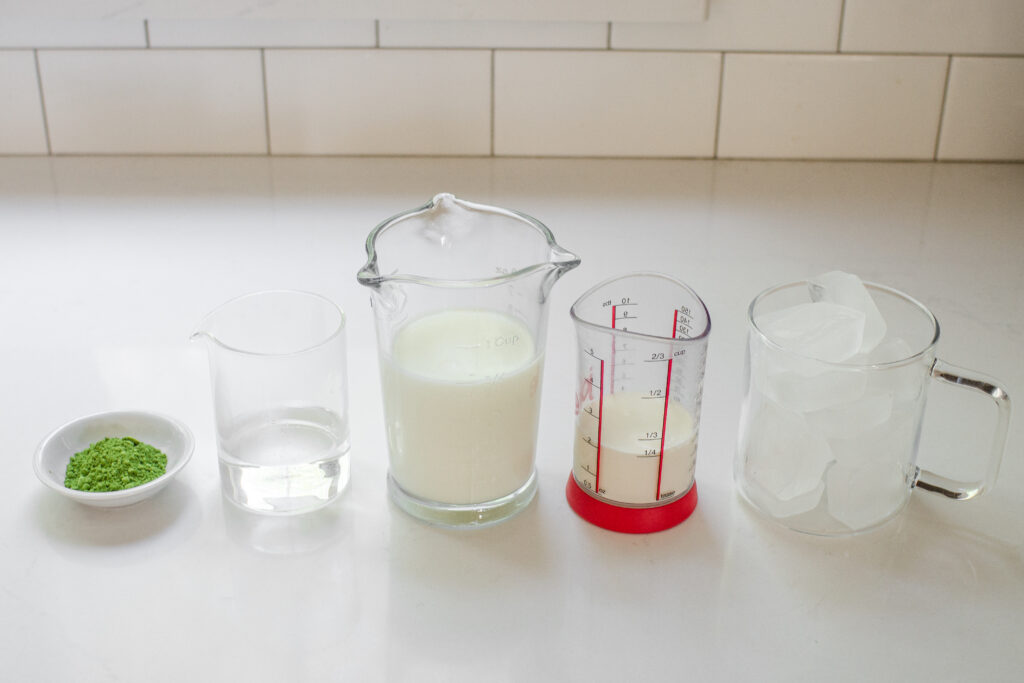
[277, 369]
[830, 448]
[642, 343]
[459, 294]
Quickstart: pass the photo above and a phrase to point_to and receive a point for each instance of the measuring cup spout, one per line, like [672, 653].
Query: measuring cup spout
[454, 244]
[562, 261]
[202, 336]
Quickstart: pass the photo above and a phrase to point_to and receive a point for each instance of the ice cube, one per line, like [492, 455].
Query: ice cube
[889, 351]
[780, 509]
[903, 382]
[848, 420]
[785, 460]
[815, 392]
[847, 290]
[823, 330]
[865, 494]
[892, 441]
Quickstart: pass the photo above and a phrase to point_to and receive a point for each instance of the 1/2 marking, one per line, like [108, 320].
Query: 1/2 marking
[664, 415]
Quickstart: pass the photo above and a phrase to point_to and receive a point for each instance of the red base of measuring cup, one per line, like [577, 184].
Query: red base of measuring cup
[629, 520]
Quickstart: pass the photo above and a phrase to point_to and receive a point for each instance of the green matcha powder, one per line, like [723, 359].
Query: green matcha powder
[114, 464]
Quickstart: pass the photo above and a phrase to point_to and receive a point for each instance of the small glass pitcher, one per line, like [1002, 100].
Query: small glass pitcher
[277, 370]
[459, 293]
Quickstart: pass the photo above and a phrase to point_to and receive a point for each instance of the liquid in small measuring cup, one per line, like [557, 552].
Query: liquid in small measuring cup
[636, 449]
[642, 344]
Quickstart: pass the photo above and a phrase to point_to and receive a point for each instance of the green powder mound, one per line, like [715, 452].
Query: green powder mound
[113, 465]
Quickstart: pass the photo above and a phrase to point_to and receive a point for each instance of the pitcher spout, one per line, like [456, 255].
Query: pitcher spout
[201, 336]
[562, 261]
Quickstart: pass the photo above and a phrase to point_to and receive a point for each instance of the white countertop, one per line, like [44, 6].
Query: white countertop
[107, 264]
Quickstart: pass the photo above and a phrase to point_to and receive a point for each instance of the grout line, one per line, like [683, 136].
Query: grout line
[942, 108]
[376, 32]
[664, 50]
[842, 18]
[609, 35]
[483, 157]
[266, 100]
[145, 27]
[493, 53]
[718, 119]
[42, 103]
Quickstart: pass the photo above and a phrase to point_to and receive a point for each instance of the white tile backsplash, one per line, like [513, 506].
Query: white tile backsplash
[379, 101]
[154, 101]
[576, 103]
[494, 34]
[43, 33]
[790, 25]
[940, 26]
[21, 116]
[984, 116]
[803, 79]
[830, 106]
[261, 33]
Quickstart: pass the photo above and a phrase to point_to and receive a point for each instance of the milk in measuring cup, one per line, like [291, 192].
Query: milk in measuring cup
[461, 398]
[618, 448]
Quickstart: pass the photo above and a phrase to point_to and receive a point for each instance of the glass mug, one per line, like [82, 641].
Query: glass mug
[830, 448]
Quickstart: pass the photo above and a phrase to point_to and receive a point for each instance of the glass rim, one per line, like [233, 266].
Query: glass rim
[844, 364]
[369, 276]
[703, 336]
[334, 333]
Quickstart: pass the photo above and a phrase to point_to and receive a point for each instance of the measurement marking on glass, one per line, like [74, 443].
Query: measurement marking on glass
[600, 415]
[664, 416]
[612, 390]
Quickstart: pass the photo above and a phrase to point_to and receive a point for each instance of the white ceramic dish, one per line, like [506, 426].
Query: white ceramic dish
[169, 435]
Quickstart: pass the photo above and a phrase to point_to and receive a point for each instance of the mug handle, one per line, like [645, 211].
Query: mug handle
[968, 379]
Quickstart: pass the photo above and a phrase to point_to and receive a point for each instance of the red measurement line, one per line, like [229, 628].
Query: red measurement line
[612, 389]
[664, 416]
[600, 423]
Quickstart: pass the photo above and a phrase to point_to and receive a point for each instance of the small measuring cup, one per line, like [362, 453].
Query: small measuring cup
[642, 344]
[459, 293]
